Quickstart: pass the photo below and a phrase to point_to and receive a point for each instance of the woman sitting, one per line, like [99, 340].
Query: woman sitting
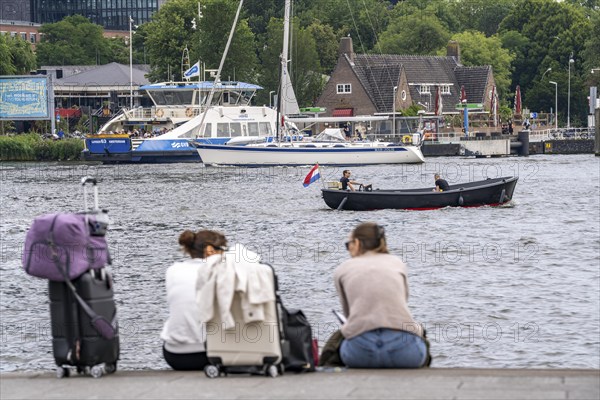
[183, 333]
[380, 331]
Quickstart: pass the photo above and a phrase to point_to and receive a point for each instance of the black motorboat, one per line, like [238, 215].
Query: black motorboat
[489, 192]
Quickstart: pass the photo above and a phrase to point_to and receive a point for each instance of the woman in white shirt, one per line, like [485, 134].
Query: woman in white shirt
[184, 335]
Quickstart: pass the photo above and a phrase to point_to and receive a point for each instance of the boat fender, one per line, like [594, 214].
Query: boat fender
[188, 112]
[461, 201]
[502, 196]
[341, 206]
[159, 113]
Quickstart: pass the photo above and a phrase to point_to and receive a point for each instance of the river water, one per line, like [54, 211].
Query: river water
[515, 286]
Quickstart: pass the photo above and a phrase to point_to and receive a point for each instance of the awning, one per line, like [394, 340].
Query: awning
[343, 112]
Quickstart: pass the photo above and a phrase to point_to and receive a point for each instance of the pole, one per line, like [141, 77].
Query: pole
[394, 113]
[130, 63]
[569, 93]
[555, 105]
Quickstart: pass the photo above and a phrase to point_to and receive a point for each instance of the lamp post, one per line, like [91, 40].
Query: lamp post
[571, 61]
[595, 69]
[544, 74]
[130, 63]
[270, 93]
[394, 112]
[555, 104]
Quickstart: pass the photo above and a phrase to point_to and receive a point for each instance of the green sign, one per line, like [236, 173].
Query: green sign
[313, 109]
[460, 106]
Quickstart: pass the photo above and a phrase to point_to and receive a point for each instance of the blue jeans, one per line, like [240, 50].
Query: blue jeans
[384, 348]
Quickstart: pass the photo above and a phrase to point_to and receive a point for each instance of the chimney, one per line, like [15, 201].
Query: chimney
[347, 48]
[453, 50]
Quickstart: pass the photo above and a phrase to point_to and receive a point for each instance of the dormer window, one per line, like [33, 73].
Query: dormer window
[344, 88]
[445, 89]
[424, 89]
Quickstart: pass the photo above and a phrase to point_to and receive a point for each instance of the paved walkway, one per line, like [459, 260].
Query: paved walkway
[434, 383]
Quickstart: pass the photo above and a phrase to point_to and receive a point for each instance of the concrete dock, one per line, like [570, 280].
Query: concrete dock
[434, 383]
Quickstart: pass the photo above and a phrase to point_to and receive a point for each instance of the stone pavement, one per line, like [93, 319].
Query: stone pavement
[434, 383]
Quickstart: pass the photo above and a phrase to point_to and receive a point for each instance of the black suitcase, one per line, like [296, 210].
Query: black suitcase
[83, 316]
[75, 340]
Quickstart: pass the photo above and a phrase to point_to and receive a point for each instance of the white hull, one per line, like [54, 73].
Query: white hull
[302, 155]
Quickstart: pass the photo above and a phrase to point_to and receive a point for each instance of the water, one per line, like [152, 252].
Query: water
[514, 286]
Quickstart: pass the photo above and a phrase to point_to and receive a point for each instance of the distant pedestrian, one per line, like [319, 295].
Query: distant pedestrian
[347, 133]
[61, 134]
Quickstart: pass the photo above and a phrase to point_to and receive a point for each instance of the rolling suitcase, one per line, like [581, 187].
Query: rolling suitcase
[254, 347]
[70, 250]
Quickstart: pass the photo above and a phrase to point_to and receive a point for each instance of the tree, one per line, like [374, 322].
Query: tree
[305, 70]
[176, 25]
[22, 56]
[72, 41]
[481, 15]
[414, 34]
[328, 45]
[6, 65]
[553, 31]
[476, 49]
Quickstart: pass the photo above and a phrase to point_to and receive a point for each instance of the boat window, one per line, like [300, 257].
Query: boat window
[236, 129]
[264, 129]
[207, 130]
[222, 129]
[225, 97]
[253, 128]
[171, 98]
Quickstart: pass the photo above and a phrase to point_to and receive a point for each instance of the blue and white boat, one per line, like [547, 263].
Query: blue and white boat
[179, 110]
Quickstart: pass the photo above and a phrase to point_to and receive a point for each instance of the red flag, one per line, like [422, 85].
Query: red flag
[518, 100]
[463, 94]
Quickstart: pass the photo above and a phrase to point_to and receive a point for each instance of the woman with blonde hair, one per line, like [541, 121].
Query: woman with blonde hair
[379, 331]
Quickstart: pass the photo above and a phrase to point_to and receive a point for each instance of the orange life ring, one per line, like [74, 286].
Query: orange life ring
[160, 113]
[189, 112]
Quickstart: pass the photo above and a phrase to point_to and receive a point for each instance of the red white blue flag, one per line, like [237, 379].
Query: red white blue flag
[312, 176]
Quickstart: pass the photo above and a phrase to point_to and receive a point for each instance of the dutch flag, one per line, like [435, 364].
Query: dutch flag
[194, 71]
[312, 176]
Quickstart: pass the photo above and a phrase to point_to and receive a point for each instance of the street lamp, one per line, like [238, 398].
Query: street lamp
[555, 104]
[571, 61]
[270, 93]
[595, 69]
[544, 74]
[394, 112]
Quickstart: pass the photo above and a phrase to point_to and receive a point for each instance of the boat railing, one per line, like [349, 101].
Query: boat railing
[163, 112]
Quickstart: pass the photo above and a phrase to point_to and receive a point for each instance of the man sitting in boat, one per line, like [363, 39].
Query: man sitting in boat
[441, 185]
[347, 184]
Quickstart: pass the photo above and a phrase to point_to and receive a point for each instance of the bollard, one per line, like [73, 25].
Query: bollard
[523, 137]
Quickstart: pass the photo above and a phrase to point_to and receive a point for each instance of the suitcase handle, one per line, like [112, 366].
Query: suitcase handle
[94, 182]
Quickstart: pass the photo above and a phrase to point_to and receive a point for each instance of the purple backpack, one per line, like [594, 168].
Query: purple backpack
[61, 246]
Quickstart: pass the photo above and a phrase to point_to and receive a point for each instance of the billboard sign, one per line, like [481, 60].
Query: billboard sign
[24, 98]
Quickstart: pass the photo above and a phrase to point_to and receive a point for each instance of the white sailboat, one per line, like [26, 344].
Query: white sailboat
[325, 151]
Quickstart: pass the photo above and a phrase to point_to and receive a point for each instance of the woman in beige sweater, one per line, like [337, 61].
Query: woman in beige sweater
[380, 331]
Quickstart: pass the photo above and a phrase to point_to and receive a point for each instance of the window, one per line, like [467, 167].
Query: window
[208, 130]
[222, 129]
[445, 89]
[424, 89]
[253, 128]
[344, 88]
[403, 95]
[32, 37]
[264, 129]
[24, 36]
[236, 129]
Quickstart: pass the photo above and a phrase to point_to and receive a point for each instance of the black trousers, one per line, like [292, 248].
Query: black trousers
[186, 361]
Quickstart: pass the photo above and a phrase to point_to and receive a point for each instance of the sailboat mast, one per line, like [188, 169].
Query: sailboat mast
[218, 77]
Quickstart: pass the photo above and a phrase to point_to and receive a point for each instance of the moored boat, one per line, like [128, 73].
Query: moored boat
[489, 192]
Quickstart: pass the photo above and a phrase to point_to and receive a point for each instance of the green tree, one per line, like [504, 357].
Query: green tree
[481, 15]
[23, 58]
[547, 33]
[305, 70]
[328, 45]
[414, 35]
[176, 25]
[477, 49]
[7, 67]
[72, 41]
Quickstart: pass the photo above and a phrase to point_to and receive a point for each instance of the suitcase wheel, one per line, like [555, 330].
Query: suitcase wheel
[97, 371]
[272, 371]
[211, 371]
[62, 372]
[110, 368]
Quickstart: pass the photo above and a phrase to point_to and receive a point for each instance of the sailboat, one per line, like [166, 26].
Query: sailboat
[323, 150]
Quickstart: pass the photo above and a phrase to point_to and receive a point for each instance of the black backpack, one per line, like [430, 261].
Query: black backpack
[298, 342]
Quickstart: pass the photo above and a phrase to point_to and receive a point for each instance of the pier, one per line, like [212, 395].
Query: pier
[431, 383]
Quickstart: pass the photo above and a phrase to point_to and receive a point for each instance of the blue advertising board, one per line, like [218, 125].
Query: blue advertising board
[24, 97]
